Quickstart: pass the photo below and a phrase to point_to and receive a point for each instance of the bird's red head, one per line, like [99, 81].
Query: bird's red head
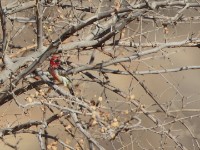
[55, 61]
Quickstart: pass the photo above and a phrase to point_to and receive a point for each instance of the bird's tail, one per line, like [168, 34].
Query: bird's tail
[67, 82]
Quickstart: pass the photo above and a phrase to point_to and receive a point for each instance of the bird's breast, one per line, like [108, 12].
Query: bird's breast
[54, 73]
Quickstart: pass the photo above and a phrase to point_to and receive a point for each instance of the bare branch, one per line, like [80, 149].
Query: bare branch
[3, 26]
[39, 15]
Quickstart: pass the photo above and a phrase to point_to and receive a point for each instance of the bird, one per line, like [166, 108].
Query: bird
[57, 72]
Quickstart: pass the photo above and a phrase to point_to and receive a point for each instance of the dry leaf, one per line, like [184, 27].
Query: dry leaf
[126, 112]
[132, 97]
[100, 98]
[67, 142]
[54, 143]
[52, 146]
[32, 95]
[95, 114]
[59, 11]
[103, 129]
[36, 94]
[81, 141]
[115, 123]
[80, 147]
[166, 30]
[61, 16]
[123, 33]
[44, 27]
[117, 5]
[112, 135]
[48, 146]
[29, 99]
[41, 92]
[94, 122]
[93, 107]
[68, 127]
[43, 109]
[61, 113]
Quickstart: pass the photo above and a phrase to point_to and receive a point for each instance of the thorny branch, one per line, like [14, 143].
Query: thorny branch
[3, 26]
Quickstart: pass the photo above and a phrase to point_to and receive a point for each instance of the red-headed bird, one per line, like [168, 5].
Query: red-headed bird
[56, 70]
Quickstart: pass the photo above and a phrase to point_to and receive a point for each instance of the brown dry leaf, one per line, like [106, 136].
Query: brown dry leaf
[42, 100]
[67, 142]
[117, 5]
[123, 33]
[103, 129]
[43, 109]
[52, 146]
[78, 147]
[36, 94]
[105, 116]
[61, 16]
[112, 135]
[50, 29]
[59, 11]
[29, 99]
[92, 102]
[93, 107]
[94, 122]
[100, 98]
[126, 112]
[115, 119]
[166, 30]
[46, 42]
[45, 27]
[61, 114]
[49, 146]
[95, 114]
[122, 53]
[81, 146]
[132, 97]
[115, 123]
[32, 95]
[68, 127]
[54, 143]
[41, 92]
[81, 141]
